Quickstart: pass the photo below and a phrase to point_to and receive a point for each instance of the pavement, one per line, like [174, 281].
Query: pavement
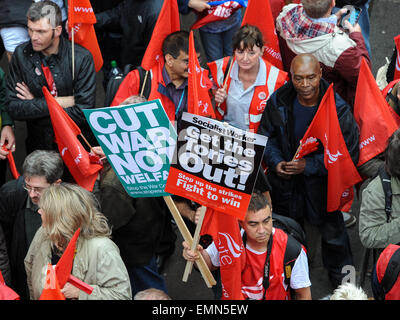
[383, 14]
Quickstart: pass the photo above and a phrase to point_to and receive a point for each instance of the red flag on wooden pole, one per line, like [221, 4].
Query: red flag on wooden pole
[167, 22]
[258, 13]
[81, 19]
[199, 101]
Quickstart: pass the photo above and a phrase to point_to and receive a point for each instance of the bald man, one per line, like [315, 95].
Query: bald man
[299, 188]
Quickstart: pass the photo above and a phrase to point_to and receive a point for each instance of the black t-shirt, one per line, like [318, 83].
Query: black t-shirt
[302, 118]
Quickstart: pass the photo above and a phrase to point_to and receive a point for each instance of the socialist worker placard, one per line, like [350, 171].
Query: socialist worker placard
[215, 164]
[138, 141]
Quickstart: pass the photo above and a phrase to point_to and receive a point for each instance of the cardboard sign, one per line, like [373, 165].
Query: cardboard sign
[138, 141]
[216, 164]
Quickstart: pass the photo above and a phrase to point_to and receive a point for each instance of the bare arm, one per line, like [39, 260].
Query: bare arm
[303, 293]
[190, 255]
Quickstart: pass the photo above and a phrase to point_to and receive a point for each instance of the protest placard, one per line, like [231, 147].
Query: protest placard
[216, 164]
[138, 141]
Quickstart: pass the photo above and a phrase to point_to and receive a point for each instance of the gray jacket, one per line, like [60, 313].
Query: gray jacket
[374, 231]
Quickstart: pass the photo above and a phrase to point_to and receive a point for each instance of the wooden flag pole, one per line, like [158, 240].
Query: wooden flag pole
[196, 238]
[297, 151]
[73, 53]
[201, 264]
[144, 83]
[226, 79]
[87, 142]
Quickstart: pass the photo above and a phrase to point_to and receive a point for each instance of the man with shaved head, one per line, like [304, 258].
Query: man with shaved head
[299, 188]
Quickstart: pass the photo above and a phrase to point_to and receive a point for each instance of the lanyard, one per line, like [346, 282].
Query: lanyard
[267, 262]
[180, 102]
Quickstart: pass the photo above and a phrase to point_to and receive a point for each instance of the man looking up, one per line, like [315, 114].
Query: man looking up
[46, 60]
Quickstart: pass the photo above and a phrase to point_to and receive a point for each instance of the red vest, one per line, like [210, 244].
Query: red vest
[275, 79]
[252, 277]
[130, 86]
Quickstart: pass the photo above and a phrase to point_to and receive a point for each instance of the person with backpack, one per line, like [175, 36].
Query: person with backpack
[380, 205]
[167, 80]
[385, 282]
[265, 273]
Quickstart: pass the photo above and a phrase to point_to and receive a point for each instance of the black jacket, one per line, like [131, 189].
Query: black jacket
[13, 13]
[303, 194]
[137, 19]
[141, 227]
[13, 200]
[25, 66]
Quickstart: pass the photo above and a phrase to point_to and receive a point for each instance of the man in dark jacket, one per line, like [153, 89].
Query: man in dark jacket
[19, 201]
[299, 188]
[136, 20]
[48, 51]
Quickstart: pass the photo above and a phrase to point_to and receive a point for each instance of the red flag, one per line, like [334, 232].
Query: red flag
[397, 68]
[258, 13]
[167, 22]
[75, 157]
[6, 293]
[64, 265]
[372, 113]
[216, 13]
[199, 101]
[51, 290]
[342, 174]
[80, 11]
[385, 92]
[11, 163]
[82, 18]
[226, 235]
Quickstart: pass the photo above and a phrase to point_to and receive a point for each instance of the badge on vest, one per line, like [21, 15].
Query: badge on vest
[246, 119]
[262, 95]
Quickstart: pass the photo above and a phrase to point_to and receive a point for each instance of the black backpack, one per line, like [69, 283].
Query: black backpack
[296, 239]
[387, 190]
[115, 81]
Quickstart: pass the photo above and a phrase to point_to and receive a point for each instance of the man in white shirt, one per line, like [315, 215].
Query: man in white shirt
[259, 234]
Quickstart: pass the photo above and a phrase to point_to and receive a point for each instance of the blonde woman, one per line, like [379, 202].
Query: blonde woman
[64, 208]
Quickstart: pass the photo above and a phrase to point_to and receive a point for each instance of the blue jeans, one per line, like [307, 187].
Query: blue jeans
[146, 277]
[218, 45]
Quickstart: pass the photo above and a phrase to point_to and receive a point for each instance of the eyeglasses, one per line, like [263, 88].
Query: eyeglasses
[37, 190]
